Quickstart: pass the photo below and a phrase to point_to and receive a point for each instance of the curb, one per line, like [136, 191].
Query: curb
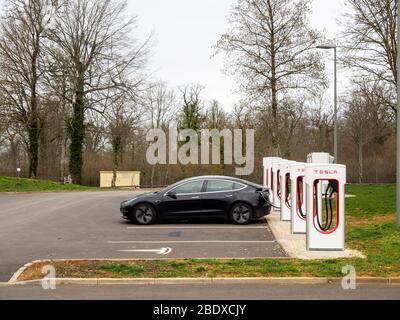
[21, 270]
[206, 281]
[16, 275]
[166, 281]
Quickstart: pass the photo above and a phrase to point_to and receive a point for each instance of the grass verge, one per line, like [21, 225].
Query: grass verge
[9, 184]
[371, 228]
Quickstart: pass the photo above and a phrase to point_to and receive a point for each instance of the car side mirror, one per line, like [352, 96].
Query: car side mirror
[172, 195]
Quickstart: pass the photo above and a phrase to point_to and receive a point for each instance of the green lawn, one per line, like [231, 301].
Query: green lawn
[371, 228]
[8, 184]
[371, 200]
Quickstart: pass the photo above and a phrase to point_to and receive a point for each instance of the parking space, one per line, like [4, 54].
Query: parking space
[87, 225]
[199, 240]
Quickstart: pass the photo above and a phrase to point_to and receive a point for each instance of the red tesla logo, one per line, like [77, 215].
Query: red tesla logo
[325, 172]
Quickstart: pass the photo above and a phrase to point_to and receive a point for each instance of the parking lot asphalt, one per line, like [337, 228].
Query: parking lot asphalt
[87, 225]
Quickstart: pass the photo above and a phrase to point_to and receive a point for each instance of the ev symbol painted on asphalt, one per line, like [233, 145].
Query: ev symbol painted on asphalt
[161, 251]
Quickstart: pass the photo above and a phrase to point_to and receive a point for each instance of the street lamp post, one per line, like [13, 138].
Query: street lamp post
[335, 138]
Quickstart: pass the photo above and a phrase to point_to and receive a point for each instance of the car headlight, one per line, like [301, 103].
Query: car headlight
[128, 202]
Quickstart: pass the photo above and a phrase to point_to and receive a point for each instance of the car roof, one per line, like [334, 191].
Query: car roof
[215, 177]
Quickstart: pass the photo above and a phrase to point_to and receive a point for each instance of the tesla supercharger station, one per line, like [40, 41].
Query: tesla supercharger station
[325, 230]
[298, 199]
[267, 166]
[320, 157]
[285, 190]
[275, 182]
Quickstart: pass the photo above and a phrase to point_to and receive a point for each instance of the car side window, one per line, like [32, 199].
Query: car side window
[189, 187]
[222, 185]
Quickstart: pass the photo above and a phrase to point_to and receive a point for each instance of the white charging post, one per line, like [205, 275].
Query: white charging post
[285, 190]
[267, 166]
[298, 200]
[275, 182]
[320, 157]
[330, 233]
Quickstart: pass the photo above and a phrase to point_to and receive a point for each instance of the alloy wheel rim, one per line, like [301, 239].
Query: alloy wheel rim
[241, 214]
[144, 215]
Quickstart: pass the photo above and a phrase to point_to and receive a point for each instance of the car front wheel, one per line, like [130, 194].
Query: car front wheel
[241, 213]
[144, 214]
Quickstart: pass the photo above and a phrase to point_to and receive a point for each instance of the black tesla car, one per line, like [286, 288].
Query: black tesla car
[205, 197]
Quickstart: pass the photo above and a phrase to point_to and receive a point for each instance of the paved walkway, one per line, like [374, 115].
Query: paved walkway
[295, 244]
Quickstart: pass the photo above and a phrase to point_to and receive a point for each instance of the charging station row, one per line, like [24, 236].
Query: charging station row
[311, 197]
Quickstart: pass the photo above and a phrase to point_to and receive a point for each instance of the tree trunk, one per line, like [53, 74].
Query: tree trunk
[274, 131]
[115, 169]
[77, 134]
[274, 90]
[166, 175]
[14, 154]
[360, 162]
[33, 121]
[117, 151]
[63, 152]
[33, 148]
[63, 133]
[153, 169]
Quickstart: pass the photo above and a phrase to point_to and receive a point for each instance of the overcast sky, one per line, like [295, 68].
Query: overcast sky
[186, 30]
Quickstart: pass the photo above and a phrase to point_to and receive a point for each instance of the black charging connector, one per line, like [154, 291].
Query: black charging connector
[331, 189]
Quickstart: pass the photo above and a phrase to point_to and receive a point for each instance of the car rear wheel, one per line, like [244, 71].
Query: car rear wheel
[241, 213]
[144, 214]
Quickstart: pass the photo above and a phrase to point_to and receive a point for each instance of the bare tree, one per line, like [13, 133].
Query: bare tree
[94, 36]
[368, 122]
[21, 62]
[216, 117]
[160, 103]
[122, 118]
[370, 39]
[192, 112]
[161, 108]
[322, 121]
[290, 116]
[242, 115]
[272, 49]
[57, 85]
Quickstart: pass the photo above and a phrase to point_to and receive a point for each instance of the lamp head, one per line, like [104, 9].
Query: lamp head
[326, 47]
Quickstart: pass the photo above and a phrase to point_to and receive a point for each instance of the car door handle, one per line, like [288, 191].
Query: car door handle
[229, 196]
[196, 197]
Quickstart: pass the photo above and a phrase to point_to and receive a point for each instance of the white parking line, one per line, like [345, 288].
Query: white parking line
[198, 227]
[200, 241]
